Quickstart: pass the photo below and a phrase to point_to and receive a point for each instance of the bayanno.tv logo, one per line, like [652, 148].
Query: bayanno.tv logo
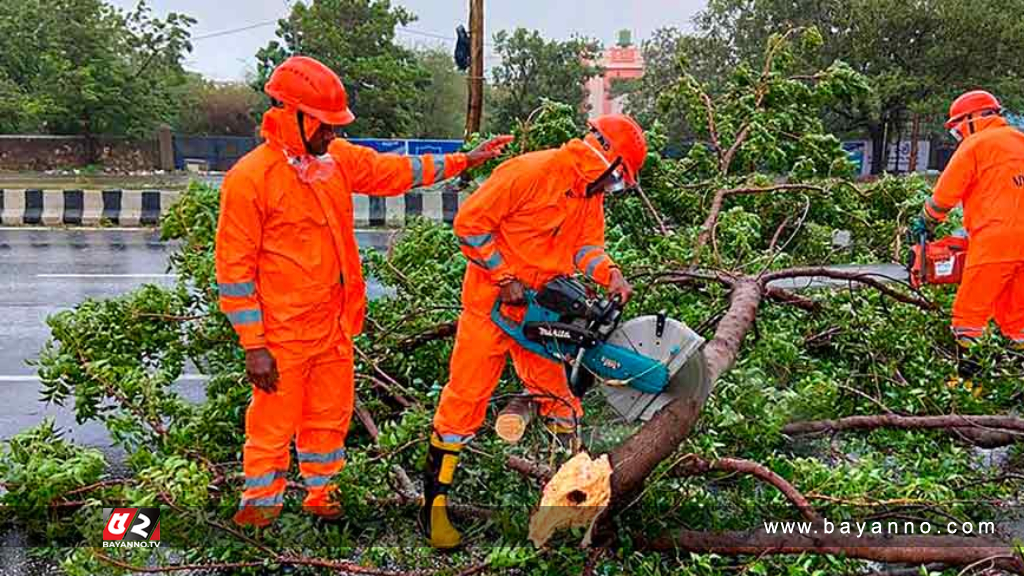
[131, 528]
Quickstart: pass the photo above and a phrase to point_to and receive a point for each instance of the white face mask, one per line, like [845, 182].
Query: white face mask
[616, 183]
[956, 134]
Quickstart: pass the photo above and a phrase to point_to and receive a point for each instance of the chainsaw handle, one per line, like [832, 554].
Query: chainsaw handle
[922, 241]
[509, 324]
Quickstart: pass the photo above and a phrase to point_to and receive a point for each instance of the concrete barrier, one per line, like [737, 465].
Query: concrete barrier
[145, 207]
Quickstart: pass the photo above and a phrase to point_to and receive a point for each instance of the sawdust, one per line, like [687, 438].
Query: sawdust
[575, 497]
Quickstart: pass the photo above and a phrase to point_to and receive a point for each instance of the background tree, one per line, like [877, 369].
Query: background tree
[917, 55]
[669, 54]
[532, 69]
[218, 109]
[355, 38]
[442, 106]
[85, 67]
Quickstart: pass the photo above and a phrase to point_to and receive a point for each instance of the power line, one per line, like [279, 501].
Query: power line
[401, 30]
[234, 30]
[427, 34]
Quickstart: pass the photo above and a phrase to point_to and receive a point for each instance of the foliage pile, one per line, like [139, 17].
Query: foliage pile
[765, 197]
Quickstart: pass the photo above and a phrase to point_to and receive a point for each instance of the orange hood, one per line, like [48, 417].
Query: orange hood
[982, 124]
[281, 130]
[587, 162]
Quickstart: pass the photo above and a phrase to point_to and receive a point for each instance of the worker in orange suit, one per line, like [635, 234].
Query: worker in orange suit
[539, 216]
[986, 176]
[290, 278]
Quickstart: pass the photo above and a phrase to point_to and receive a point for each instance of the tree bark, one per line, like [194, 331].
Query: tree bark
[984, 431]
[949, 550]
[635, 458]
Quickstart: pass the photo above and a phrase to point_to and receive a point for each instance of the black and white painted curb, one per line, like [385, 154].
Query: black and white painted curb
[145, 207]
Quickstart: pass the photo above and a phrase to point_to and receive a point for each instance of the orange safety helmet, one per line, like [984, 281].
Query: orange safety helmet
[621, 137]
[968, 104]
[308, 85]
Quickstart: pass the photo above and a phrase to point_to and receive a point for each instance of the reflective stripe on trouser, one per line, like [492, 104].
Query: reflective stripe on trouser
[477, 361]
[990, 291]
[313, 403]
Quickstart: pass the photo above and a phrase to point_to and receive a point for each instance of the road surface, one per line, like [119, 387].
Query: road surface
[43, 271]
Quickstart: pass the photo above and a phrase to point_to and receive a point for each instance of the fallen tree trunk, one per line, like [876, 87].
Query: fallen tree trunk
[983, 423]
[637, 457]
[948, 550]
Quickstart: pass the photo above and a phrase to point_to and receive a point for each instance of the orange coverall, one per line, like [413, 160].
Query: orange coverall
[530, 220]
[290, 280]
[986, 175]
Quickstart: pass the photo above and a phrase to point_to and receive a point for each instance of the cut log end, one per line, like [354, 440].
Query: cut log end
[513, 419]
[575, 497]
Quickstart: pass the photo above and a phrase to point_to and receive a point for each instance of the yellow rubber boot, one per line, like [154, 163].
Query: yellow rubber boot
[442, 458]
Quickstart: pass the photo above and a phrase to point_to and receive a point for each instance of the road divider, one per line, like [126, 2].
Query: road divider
[137, 208]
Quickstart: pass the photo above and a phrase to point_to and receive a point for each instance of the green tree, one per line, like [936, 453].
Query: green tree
[85, 67]
[917, 55]
[356, 39]
[532, 69]
[668, 55]
[217, 108]
[442, 107]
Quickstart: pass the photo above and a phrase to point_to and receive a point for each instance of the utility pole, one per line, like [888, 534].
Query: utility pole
[475, 103]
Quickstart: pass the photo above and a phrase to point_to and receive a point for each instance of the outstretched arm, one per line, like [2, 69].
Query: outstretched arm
[379, 174]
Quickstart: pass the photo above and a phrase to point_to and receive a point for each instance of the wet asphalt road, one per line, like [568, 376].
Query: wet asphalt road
[43, 271]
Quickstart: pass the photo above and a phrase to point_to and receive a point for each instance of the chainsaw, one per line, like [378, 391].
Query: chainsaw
[641, 364]
[938, 262]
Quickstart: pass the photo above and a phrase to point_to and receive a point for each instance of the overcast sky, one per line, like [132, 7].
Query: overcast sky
[228, 56]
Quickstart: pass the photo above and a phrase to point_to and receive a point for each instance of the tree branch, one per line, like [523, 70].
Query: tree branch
[949, 550]
[716, 209]
[1006, 425]
[867, 279]
[697, 465]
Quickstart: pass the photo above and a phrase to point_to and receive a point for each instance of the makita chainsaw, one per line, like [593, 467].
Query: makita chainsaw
[641, 365]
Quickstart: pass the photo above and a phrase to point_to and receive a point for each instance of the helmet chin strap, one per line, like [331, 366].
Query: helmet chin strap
[301, 117]
[600, 186]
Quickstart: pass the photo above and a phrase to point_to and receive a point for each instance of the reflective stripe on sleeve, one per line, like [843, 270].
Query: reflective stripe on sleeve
[438, 167]
[237, 289]
[417, 171]
[582, 253]
[594, 264]
[476, 241]
[243, 317]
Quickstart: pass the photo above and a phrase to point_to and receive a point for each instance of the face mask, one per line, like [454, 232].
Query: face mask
[313, 169]
[611, 182]
[956, 134]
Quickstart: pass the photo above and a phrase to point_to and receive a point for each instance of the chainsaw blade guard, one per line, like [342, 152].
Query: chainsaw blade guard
[671, 344]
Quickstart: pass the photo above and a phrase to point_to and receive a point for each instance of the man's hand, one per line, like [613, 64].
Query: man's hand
[513, 292]
[484, 152]
[618, 286]
[261, 369]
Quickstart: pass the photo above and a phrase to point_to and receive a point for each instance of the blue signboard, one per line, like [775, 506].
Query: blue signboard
[434, 146]
[393, 146]
[410, 146]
